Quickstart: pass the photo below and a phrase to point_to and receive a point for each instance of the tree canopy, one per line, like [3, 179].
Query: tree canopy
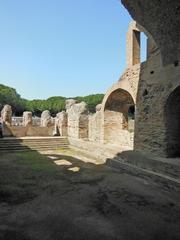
[54, 104]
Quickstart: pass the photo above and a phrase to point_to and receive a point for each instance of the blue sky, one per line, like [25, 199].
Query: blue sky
[62, 47]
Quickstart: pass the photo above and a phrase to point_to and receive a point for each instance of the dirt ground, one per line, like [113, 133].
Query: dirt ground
[74, 200]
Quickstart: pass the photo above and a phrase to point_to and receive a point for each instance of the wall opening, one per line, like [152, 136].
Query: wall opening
[119, 114]
[136, 42]
[143, 50]
[136, 47]
[172, 123]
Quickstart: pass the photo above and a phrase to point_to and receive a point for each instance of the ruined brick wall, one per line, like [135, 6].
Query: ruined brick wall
[150, 84]
[114, 132]
[156, 83]
[78, 120]
[61, 123]
[117, 129]
[96, 127]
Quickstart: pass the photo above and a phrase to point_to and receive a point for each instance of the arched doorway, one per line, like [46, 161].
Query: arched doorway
[172, 123]
[119, 118]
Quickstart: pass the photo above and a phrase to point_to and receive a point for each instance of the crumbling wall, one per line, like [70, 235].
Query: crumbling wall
[114, 130]
[27, 119]
[77, 119]
[61, 123]
[156, 83]
[6, 115]
[118, 129]
[46, 119]
[96, 125]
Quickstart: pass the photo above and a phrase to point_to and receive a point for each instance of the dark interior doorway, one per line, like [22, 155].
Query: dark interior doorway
[172, 122]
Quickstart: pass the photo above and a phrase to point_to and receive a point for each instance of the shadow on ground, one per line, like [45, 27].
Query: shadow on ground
[55, 196]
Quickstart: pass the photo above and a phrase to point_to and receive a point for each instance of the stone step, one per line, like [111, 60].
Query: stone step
[131, 161]
[32, 143]
[136, 161]
[28, 150]
[39, 144]
[24, 145]
[33, 147]
[29, 140]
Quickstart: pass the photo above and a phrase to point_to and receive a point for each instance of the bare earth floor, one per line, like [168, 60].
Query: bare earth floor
[74, 200]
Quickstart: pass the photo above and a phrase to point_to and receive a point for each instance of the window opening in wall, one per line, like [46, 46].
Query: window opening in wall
[143, 49]
[131, 112]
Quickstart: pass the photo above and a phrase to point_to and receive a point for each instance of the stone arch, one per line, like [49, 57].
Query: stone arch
[128, 82]
[172, 123]
[118, 125]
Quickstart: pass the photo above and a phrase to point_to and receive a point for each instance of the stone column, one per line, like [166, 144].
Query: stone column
[6, 114]
[27, 119]
[77, 119]
[61, 123]
[46, 119]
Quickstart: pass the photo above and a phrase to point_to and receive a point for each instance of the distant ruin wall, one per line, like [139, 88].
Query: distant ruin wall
[96, 127]
[19, 131]
[78, 119]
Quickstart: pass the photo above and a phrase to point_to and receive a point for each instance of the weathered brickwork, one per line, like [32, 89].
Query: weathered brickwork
[141, 111]
[27, 119]
[156, 83]
[61, 123]
[77, 120]
[96, 126]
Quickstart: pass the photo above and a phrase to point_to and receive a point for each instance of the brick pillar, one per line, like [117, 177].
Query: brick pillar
[133, 45]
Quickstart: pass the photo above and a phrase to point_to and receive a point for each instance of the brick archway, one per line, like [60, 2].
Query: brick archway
[118, 122]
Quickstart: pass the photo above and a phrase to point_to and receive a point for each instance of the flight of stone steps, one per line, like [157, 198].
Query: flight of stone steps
[33, 143]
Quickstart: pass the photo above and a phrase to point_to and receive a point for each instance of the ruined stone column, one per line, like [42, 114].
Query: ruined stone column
[27, 119]
[46, 119]
[61, 123]
[6, 114]
[77, 119]
[96, 125]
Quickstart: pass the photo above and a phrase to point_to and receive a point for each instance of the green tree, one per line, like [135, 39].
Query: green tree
[53, 104]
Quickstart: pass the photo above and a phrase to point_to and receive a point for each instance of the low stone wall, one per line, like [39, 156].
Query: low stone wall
[97, 150]
[19, 131]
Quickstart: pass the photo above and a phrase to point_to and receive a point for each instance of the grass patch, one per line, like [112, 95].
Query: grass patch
[35, 161]
[24, 175]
